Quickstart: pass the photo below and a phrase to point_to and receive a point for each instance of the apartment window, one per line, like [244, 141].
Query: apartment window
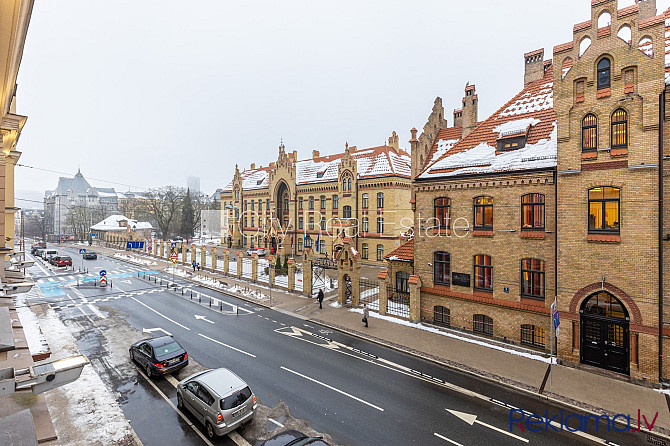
[286, 204]
[364, 201]
[252, 204]
[311, 223]
[441, 316]
[589, 132]
[245, 222]
[322, 249]
[442, 209]
[482, 323]
[365, 225]
[300, 244]
[380, 200]
[441, 263]
[300, 222]
[402, 281]
[252, 221]
[322, 199]
[380, 225]
[300, 204]
[322, 223]
[483, 273]
[604, 73]
[346, 212]
[349, 184]
[267, 204]
[532, 278]
[484, 213]
[364, 251]
[604, 209]
[532, 211]
[336, 202]
[245, 205]
[532, 335]
[380, 252]
[260, 205]
[260, 240]
[619, 131]
[311, 203]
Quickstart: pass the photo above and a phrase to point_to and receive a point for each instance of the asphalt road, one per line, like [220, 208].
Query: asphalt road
[358, 392]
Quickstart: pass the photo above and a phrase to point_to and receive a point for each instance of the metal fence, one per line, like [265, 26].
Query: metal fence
[398, 302]
[246, 268]
[370, 294]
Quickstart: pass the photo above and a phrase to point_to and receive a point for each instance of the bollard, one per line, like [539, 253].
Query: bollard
[191, 294]
[182, 291]
[200, 298]
[210, 301]
[220, 306]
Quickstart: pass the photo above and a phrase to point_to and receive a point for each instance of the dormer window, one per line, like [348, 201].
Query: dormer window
[512, 143]
[604, 74]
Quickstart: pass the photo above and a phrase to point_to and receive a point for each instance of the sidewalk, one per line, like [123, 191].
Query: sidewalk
[589, 391]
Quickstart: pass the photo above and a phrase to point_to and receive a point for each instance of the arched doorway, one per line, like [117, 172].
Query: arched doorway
[605, 337]
[282, 200]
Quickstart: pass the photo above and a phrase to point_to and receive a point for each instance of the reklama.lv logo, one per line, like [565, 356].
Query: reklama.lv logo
[573, 422]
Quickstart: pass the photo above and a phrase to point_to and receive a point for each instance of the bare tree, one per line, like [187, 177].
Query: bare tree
[80, 219]
[164, 205]
[201, 202]
[34, 226]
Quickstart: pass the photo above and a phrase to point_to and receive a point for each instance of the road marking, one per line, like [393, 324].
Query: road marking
[96, 312]
[447, 439]
[226, 345]
[51, 279]
[275, 422]
[202, 318]
[184, 417]
[172, 380]
[149, 330]
[160, 314]
[332, 388]
[471, 419]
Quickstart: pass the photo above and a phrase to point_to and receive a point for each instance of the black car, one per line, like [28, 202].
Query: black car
[293, 438]
[34, 249]
[90, 255]
[159, 355]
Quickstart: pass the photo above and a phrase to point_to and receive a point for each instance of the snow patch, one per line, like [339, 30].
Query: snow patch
[516, 126]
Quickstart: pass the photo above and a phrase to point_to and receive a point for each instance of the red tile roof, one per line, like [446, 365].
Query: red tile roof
[627, 10]
[404, 252]
[581, 26]
[651, 21]
[563, 47]
[448, 134]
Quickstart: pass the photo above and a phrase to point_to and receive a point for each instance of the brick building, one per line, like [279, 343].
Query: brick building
[293, 204]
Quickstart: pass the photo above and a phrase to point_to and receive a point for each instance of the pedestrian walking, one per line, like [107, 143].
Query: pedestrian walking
[193, 265]
[198, 266]
[320, 297]
[366, 313]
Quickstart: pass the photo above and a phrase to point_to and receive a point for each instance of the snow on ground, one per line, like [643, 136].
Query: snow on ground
[454, 336]
[135, 259]
[90, 408]
[31, 327]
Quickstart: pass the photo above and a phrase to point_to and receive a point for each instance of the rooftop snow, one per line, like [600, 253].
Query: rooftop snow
[516, 126]
[530, 102]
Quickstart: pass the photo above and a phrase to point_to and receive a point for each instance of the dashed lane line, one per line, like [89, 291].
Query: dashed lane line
[226, 345]
[160, 314]
[275, 422]
[447, 439]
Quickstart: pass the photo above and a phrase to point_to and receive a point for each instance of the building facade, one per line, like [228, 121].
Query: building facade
[294, 204]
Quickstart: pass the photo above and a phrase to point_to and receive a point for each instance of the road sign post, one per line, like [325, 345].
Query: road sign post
[555, 322]
[103, 277]
[82, 251]
[173, 259]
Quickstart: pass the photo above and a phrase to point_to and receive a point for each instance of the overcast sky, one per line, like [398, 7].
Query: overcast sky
[146, 93]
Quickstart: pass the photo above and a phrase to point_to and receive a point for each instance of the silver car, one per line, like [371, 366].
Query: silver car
[219, 398]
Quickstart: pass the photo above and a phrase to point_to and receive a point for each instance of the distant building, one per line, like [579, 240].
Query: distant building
[72, 194]
[193, 184]
[119, 224]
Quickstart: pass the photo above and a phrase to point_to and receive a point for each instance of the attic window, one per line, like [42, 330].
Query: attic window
[320, 174]
[512, 143]
[259, 182]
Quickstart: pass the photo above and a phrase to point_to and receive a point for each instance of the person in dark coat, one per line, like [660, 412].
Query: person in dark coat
[320, 298]
[193, 264]
[366, 314]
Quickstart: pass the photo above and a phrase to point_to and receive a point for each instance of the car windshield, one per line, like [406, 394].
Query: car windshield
[166, 349]
[237, 398]
[65, 258]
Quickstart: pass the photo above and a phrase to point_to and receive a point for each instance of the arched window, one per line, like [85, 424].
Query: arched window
[483, 273]
[349, 183]
[532, 278]
[484, 213]
[365, 225]
[322, 199]
[482, 323]
[364, 201]
[532, 211]
[441, 316]
[380, 200]
[442, 208]
[604, 209]
[311, 203]
[402, 282]
[619, 131]
[589, 132]
[604, 304]
[346, 212]
[604, 73]
[364, 251]
[441, 264]
[380, 252]
[532, 335]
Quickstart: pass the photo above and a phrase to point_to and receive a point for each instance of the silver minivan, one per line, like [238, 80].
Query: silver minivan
[219, 398]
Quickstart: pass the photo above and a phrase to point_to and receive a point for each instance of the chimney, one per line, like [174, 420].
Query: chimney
[315, 154]
[393, 142]
[534, 66]
[647, 9]
[458, 117]
[253, 166]
[469, 119]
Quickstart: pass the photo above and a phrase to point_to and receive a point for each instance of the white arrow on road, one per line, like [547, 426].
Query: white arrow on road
[202, 318]
[126, 281]
[472, 419]
[149, 330]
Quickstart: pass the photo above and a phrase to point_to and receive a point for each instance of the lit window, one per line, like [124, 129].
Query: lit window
[619, 129]
[532, 211]
[483, 273]
[604, 209]
[532, 335]
[442, 209]
[532, 278]
[441, 263]
[484, 213]
[589, 132]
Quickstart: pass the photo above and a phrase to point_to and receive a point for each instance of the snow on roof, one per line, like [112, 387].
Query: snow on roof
[111, 223]
[106, 194]
[531, 112]
[444, 141]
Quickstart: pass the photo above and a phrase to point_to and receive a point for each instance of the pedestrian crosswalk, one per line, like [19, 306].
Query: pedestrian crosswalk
[71, 277]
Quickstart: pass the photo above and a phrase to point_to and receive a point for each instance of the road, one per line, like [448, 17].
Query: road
[356, 391]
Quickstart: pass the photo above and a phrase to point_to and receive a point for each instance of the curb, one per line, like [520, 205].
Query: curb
[501, 381]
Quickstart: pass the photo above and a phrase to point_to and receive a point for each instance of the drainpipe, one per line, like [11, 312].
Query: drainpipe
[555, 173]
[661, 109]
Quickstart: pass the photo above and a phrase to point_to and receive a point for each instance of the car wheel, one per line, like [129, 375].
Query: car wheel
[132, 356]
[210, 430]
[180, 402]
[149, 371]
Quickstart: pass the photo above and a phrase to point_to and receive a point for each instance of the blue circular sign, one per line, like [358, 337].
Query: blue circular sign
[103, 273]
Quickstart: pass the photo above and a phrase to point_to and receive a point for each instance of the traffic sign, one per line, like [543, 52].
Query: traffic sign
[103, 273]
[555, 318]
[173, 258]
[93, 234]
[82, 251]
[103, 281]
[135, 245]
[173, 244]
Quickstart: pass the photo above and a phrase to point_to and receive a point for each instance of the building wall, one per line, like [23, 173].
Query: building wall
[625, 264]
[507, 245]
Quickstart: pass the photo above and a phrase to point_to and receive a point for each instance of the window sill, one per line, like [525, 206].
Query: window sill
[442, 286]
[579, 98]
[619, 152]
[604, 238]
[533, 300]
[604, 93]
[589, 155]
[530, 234]
[482, 233]
[629, 88]
[483, 293]
[441, 231]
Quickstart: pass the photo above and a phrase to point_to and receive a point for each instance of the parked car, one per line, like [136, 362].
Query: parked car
[159, 355]
[261, 252]
[90, 255]
[293, 438]
[38, 246]
[219, 398]
[61, 261]
[48, 253]
[38, 252]
[251, 251]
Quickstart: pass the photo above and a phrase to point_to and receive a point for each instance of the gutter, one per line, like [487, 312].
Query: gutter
[661, 111]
